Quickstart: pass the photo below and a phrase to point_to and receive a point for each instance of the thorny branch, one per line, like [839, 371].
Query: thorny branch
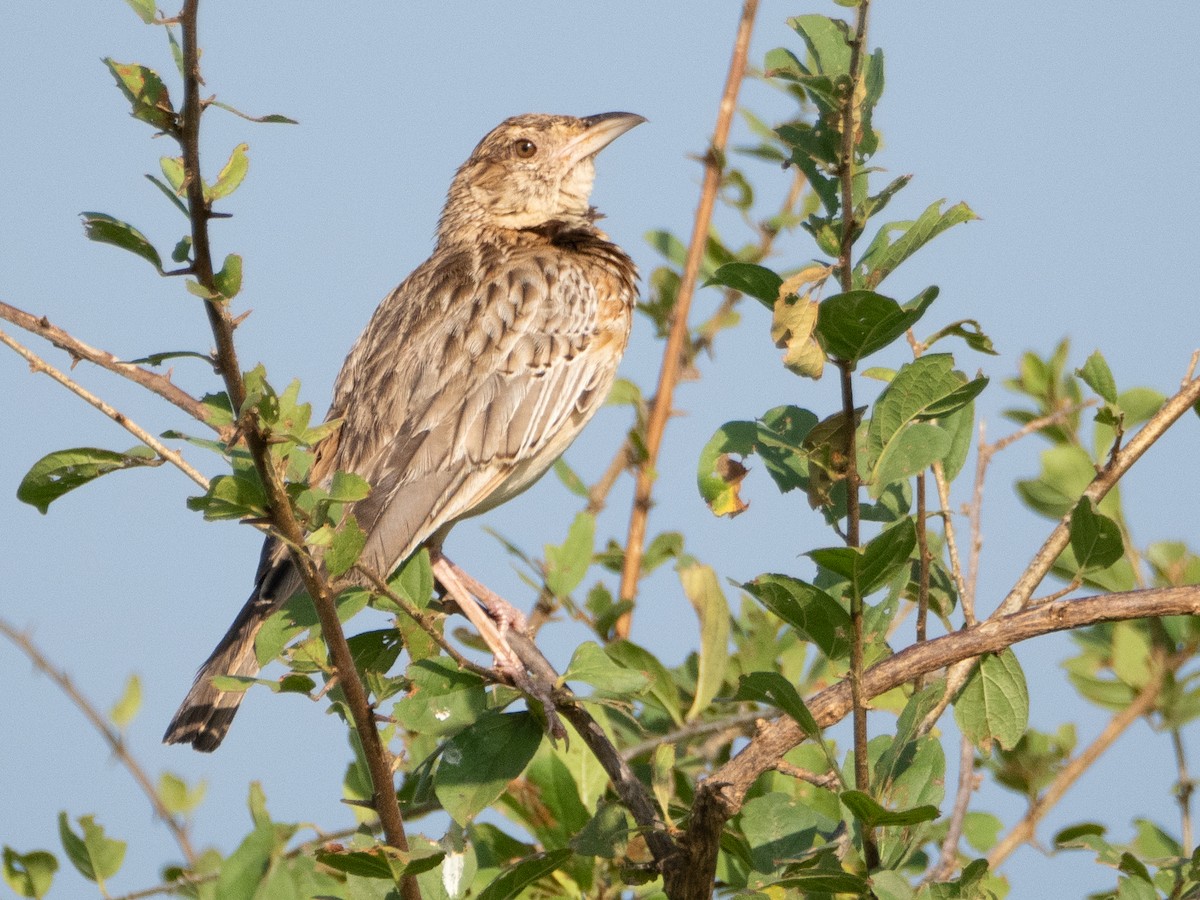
[283, 519]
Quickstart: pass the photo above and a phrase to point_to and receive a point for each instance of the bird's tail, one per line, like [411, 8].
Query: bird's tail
[206, 713]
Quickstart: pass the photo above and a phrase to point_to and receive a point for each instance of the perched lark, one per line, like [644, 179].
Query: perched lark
[472, 377]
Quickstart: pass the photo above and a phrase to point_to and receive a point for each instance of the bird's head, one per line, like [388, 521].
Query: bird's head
[531, 170]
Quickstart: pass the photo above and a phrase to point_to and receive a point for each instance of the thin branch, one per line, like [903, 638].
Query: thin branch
[1025, 829]
[78, 350]
[829, 781]
[736, 722]
[1184, 789]
[948, 529]
[111, 736]
[37, 364]
[968, 781]
[924, 558]
[377, 756]
[660, 408]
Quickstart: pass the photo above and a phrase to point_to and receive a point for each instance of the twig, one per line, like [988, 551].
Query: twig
[943, 488]
[110, 735]
[829, 780]
[425, 623]
[924, 559]
[37, 364]
[598, 493]
[377, 756]
[968, 781]
[1024, 830]
[660, 407]
[736, 722]
[152, 381]
[1183, 791]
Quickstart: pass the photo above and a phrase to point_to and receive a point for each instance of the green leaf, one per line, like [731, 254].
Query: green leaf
[127, 707]
[60, 472]
[704, 592]
[719, 476]
[606, 835]
[824, 881]
[592, 665]
[961, 428]
[1098, 376]
[912, 449]
[570, 478]
[228, 281]
[516, 878]
[994, 704]
[271, 119]
[884, 255]
[752, 280]
[29, 874]
[855, 324]
[773, 689]
[478, 763]
[1067, 470]
[177, 796]
[967, 329]
[567, 565]
[872, 815]
[827, 41]
[662, 685]
[175, 173]
[346, 487]
[443, 699]
[231, 175]
[147, 95]
[808, 609]
[95, 856]
[1095, 538]
[145, 9]
[243, 871]
[104, 229]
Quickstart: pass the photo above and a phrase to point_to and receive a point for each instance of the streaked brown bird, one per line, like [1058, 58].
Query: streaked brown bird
[472, 377]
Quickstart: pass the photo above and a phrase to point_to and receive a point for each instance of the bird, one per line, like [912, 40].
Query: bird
[471, 378]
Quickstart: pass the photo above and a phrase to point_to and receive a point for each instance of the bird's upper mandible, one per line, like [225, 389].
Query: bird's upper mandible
[529, 171]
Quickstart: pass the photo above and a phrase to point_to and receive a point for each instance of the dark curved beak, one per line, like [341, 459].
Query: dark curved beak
[601, 131]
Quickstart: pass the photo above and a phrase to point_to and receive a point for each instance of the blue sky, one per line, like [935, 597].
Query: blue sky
[1065, 125]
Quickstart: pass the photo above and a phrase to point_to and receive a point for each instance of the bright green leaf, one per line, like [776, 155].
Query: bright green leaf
[853, 325]
[146, 93]
[231, 175]
[104, 229]
[64, 470]
[1098, 376]
[145, 9]
[752, 280]
[808, 609]
[592, 665]
[516, 878]
[566, 565]
[96, 856]
[228, 281]
[872, 815]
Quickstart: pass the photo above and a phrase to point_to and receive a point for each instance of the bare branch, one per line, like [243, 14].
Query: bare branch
[152, 381]
[660, 407]
[37, 364]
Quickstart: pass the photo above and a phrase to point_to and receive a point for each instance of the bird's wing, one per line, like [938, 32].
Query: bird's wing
[463, 390]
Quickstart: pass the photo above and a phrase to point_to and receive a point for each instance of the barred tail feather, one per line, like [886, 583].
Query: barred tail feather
[206, 713]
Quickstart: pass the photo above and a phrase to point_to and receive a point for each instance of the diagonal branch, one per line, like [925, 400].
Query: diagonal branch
[37, 364]
[660, 408]
[111, 736]
[151, 381]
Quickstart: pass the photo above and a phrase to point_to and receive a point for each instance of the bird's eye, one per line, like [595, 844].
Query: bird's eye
[525, 148]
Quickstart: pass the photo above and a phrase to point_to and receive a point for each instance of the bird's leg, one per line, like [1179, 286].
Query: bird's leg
[466, 592]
